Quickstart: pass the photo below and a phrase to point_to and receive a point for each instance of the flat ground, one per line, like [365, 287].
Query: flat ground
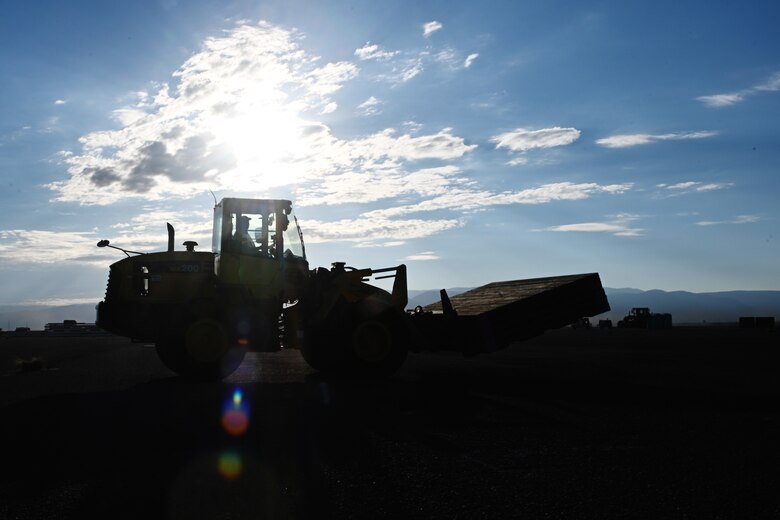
[683, 423]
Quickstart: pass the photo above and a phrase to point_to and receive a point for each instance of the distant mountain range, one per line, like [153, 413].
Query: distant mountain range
[688, 307]
[685, 307]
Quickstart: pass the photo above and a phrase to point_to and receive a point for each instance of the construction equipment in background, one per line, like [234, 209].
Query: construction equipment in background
[642, 318]
[581, 323]
[254, 291]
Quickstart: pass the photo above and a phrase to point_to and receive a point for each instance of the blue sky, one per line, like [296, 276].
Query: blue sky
[473, 141]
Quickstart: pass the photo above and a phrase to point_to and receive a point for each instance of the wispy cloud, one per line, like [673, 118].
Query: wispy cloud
[470, 59]
[370, 106]
[372, 228]
[628, 140]
[329, 108]
[431, 27]
[372, 51]
[424, 256]
[732, 98]
[51, 247]
[454, 195]
[60, 302]
[523, 139]
[740, 219]
[722, 100]
[681, 188]
[59, 102]
[146, 232]
[620, 226]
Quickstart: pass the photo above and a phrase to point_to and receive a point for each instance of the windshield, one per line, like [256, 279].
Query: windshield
[293, 238]
[258, 228]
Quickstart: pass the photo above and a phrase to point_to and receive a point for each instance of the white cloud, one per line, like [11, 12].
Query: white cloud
[722, 100]
[369, 244]
[411, 70]
[628, 140]
[59, 102]
[232, 122]
[128, 116]
[446, 55]
[412, 126]
[465, 197]
[771, 85]
[517, 161]
[740, 219]
[732, 98]
[60, 302]
[424, 256]
[470, 59]
[431, 27]
[680, 185]
[372, 228]
[691, 186]
[329, 108]
[49, 247]
[370, 106]
[619, 226]
[144, 233]
[372, 51]
[241, 116]
[714, 186]
[523, 139]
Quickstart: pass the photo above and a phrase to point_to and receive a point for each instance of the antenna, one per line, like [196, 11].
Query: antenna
[215, 197]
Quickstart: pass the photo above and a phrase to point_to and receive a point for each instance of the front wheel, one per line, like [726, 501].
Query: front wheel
[378, 346]
[351, 344]
[199, 349]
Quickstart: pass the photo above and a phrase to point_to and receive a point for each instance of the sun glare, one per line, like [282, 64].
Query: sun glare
[265, 141]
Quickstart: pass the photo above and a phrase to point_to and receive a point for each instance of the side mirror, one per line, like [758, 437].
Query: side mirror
[103, 243]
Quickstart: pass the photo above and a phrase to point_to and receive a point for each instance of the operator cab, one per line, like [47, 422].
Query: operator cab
[259, 228]
[258, 248]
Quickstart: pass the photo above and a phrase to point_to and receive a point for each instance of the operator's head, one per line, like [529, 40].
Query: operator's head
[243, 223]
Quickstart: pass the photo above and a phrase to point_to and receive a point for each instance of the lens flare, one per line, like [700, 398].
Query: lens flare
[230, 465]
[235, 416]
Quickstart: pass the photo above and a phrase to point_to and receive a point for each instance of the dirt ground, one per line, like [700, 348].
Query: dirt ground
[682, 423]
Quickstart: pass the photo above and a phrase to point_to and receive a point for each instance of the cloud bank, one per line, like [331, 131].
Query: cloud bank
[244, 115]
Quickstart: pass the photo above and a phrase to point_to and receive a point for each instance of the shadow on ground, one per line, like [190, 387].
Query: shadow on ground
[566, 427]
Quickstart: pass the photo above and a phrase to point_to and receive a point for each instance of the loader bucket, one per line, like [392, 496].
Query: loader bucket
[493, 316]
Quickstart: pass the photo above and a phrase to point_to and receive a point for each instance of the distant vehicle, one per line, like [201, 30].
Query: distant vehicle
[757, 322]
[642, 318]
[582, 323]
[71, 328]
[22, 329]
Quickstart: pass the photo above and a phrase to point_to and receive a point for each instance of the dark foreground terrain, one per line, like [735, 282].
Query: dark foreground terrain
[682, 423]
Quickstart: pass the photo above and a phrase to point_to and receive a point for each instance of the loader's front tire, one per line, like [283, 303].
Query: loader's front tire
[199, 349]
[378, 346]
[351, 344]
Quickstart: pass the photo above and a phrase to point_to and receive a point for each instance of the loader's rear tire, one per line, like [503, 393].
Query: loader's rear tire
[199, 349]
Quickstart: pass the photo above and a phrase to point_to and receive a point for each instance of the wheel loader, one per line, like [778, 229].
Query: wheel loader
[255, 291]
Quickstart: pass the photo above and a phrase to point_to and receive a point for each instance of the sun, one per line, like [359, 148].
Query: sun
[265, 140]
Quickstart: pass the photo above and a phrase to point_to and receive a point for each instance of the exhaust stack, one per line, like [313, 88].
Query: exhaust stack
[171, 234]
